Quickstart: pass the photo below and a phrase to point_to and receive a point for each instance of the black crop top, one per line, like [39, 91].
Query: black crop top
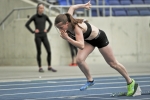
[88, 31]
[86, 34]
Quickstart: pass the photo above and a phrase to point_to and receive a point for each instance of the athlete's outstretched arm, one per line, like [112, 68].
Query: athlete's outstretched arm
[74, 7]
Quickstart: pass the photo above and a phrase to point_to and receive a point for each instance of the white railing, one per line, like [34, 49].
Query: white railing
[18, 14]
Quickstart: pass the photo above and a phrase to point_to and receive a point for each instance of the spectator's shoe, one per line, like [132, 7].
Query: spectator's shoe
[71, 64]
[88, 84]
[75, 64]
[41, 70]
[51, 69]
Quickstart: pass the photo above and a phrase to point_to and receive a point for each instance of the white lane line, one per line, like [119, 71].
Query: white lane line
[112, 98]
[145, 98]
[38, 92]
[101, 80]
[72, 85]
[86, 96]
[66, 90]
[77, 96]
[101, 98]
[135, 99]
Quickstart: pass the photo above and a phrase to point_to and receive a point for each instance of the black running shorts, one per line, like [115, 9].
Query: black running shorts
[100, 40]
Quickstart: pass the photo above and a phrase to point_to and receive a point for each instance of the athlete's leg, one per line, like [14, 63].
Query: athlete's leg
[111, 60]
[81, 56]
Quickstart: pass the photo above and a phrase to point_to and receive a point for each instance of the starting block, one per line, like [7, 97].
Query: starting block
[136, 93]
[138, 90]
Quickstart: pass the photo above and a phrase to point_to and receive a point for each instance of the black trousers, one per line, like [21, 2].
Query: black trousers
[73, 50]
[39, 38]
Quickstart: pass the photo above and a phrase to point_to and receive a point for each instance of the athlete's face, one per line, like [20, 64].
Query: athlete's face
[40, 9]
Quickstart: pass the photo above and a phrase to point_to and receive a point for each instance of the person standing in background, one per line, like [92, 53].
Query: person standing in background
[73, 51]
[41, 35]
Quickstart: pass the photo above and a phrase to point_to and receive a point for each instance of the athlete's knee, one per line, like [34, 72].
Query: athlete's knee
[79, 60]
[114, 64]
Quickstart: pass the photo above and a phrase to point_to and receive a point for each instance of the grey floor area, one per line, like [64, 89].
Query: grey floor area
[14, 73]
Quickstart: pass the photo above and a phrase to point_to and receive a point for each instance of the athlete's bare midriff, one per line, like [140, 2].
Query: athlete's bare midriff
[94, 32]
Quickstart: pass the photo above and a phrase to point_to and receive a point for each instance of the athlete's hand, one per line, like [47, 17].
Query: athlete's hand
[64, 34]
[45, 31]
[36, 31]
[88, 5]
